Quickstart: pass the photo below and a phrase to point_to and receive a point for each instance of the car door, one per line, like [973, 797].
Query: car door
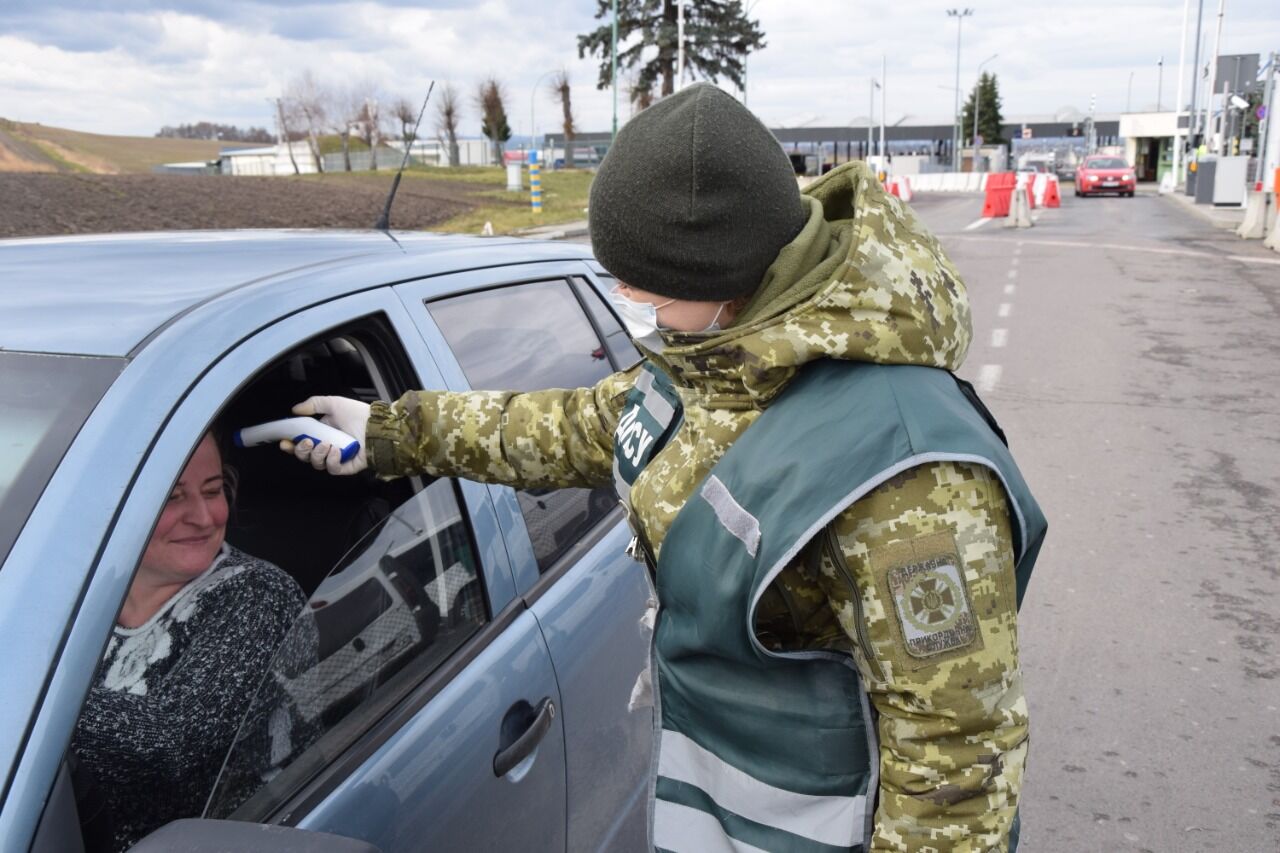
[456, 717]
[544, 326]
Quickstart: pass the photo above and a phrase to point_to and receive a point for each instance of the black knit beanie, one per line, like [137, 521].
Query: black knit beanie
[695, 199]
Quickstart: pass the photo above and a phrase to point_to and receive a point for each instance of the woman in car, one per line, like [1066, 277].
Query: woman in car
[197, 633]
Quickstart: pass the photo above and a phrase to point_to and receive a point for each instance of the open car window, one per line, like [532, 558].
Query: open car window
[399, 603]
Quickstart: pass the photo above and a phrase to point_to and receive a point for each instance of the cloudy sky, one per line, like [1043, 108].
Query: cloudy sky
[131, 66]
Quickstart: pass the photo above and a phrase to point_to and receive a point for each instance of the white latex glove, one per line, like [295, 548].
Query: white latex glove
[350, 416]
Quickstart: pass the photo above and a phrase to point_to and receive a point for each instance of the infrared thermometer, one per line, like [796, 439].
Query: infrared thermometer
[295, 430]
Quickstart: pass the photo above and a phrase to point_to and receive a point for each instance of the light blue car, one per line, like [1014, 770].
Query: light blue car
[477, 645]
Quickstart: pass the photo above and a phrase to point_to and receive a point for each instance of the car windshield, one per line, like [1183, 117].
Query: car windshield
[44, 400]
[1107, 163]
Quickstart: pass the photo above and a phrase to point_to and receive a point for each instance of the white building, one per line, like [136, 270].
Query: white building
[268, 160]
[1149, 140]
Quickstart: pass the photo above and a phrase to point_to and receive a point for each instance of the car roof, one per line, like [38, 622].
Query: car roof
[105, 294]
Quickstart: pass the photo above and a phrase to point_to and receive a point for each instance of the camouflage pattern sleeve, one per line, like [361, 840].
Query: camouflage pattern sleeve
[920, 576]
[547, 439]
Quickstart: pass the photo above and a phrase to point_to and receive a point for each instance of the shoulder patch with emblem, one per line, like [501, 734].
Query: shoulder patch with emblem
[924, 580]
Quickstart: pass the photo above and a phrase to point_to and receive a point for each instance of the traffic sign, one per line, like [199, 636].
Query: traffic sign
[1261, 112]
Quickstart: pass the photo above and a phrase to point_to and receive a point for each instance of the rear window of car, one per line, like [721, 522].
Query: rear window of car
[44, 400]
[1106, 163]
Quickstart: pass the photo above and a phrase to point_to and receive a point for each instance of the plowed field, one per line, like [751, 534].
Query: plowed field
[35, 204]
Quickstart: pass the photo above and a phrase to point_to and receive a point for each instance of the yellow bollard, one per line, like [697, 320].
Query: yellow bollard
[535, 182]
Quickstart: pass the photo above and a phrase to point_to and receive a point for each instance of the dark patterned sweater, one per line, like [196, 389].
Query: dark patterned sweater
[170, 694]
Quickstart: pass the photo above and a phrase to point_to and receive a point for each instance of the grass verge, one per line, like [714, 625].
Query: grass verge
[564, 199]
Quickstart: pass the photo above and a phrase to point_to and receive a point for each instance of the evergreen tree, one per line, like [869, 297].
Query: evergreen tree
[990, 121]
[717, 35]
[491, 98]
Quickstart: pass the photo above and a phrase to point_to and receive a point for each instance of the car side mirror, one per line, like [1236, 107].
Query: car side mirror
[200, 835]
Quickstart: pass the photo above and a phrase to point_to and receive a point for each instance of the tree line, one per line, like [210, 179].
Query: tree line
[209, 130]
[316, 111]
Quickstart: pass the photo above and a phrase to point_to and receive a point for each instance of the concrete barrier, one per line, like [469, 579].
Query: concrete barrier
[1019, 211]
[1254, 226]
[1273, 240]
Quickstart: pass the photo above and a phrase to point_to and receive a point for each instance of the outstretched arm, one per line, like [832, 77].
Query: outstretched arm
[549, 439]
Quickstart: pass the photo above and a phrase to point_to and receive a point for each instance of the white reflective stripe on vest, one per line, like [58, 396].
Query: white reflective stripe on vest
[837, 821]
[683, 829]
[743, 525]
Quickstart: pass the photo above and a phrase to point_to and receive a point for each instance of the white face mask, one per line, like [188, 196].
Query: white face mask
[641, 320]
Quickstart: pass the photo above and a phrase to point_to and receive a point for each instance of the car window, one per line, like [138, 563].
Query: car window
[1106, 163]
[398, 605]
[528, 337]
[616, 340]
[44, 400]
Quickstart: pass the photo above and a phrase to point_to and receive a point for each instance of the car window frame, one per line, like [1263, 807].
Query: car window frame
[415, 295]
[138, 507]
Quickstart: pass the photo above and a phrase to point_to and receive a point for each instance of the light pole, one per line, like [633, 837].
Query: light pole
[1128, 95]
[959, 15]
[746, 56]
[679, 45]
[977, 107]
[871, 114]
[613, 59]
[1160, 84]
[533, 99]
[1179, 144]
[884, 97]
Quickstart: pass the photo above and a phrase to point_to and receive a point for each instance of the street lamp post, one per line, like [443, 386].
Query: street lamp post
[977, 107]
[871, 113]
[959, 15]
[679, 45]
[533, 99]
[1160, 85]
[1128, 95]
[613, 59]
[746, 56]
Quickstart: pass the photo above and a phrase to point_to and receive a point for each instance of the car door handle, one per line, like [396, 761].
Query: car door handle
[523, 746]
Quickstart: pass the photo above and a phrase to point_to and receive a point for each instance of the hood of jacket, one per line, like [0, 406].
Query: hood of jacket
[863, 281]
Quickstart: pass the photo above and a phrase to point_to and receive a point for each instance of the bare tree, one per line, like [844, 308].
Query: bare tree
[560, 91]
[284, 134]
[404, 114]
[492, 100]
[304, 100]
[369, 123]
[448, 115]
[344, 113]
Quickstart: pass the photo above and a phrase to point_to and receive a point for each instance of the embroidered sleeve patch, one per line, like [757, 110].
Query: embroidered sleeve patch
[924, 580]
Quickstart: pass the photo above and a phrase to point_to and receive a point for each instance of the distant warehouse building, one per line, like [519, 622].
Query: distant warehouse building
[267, 161]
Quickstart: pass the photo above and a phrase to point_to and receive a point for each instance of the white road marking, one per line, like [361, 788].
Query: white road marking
[1184, 253]
[977, 223]
[1009, 289]
[988, 377]
[1004, 310]
[1013, 273]
[999, 337]
[1013, 261]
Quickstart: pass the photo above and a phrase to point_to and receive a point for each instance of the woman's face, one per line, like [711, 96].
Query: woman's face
[682, 315]
[193, 522]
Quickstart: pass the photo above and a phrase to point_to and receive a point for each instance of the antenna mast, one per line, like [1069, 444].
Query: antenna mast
[384, 221]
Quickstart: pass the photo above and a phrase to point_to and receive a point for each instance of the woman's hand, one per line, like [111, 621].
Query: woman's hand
[350, 416]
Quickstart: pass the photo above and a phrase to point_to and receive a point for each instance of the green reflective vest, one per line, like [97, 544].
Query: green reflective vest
[762, 750]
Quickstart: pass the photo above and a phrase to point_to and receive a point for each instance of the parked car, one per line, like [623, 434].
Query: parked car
[1103, 174]
[477, 644]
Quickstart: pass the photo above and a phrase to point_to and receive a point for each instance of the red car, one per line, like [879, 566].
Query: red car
[1101, 174]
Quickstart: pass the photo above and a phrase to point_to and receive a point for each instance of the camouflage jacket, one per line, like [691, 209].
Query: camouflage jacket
[953, 733]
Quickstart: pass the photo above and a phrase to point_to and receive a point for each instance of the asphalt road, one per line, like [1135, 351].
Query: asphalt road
[1131, 351]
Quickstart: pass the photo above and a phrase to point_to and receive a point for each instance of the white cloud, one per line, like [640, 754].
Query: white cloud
[152, 63]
